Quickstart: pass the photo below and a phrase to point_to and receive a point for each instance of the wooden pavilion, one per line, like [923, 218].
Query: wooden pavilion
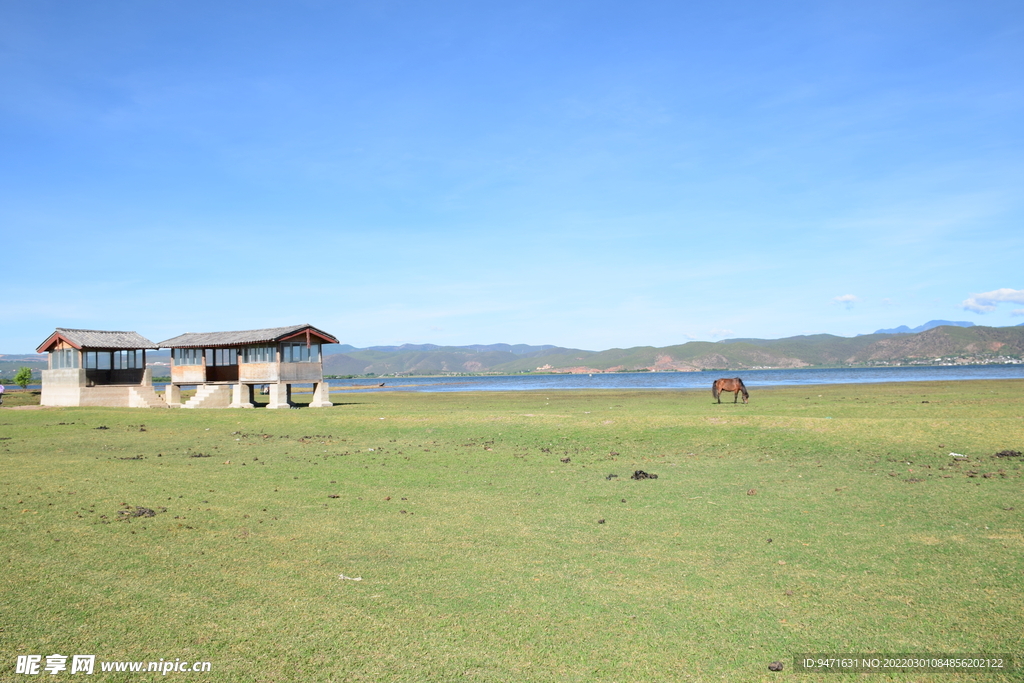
[226, 367]
[98, 368]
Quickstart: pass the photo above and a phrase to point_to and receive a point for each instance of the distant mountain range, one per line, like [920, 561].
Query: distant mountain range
[937, 341]
[903, 329]
[516, 349]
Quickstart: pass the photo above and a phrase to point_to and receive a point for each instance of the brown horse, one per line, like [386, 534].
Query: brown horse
[734, 385]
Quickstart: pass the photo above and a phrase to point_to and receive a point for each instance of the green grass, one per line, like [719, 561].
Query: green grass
[481, 553]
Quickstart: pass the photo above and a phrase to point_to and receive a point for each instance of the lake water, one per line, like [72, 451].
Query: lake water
[673, 380]
[684, 380]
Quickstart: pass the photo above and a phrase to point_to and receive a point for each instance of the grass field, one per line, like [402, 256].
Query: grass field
[493, 544]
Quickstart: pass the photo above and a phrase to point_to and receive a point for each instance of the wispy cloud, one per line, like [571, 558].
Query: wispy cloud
[847, 300]
[717, 332]
[1019, 311]
[987, 301]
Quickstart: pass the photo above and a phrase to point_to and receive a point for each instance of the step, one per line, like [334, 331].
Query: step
[210, 396]
[145, 397]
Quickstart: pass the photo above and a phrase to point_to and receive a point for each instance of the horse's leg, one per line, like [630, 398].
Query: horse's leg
[736, 396]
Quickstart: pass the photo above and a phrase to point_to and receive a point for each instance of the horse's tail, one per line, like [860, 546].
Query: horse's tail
[714, 389]
[743, 388]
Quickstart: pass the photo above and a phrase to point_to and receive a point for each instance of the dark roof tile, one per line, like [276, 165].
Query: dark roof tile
[220, 339]
[103, 339]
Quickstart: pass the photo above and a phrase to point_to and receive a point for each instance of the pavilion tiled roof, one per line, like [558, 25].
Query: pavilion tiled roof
[241, 338]
[99, 339]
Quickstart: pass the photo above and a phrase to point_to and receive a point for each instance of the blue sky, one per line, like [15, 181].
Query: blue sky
[589, 174]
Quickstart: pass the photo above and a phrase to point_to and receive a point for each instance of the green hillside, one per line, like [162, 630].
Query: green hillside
[949, 343]
[442, 360]
[978, 342]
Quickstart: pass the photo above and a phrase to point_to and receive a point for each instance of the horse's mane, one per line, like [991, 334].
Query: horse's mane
[743, 388]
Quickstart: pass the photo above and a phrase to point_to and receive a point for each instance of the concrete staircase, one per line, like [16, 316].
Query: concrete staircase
[210, 396]
[144, 397]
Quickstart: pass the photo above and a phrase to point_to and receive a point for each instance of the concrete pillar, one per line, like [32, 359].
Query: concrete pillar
[172, 396]
[280, 395]
[321, 395]
[241, 396]
[147, 377]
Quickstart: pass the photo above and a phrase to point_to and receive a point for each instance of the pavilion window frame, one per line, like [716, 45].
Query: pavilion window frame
[97, 360]
[259, 354]
[64, 359]
[127, 359]
[299, 352]
[221, 357]
[187, 356]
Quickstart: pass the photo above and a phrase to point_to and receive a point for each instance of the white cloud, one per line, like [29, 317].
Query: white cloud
[987, 301]
[846, 299]
[717, 332]
[1019, 311]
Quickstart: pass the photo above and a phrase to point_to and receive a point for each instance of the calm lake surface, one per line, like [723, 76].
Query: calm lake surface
[683, 380]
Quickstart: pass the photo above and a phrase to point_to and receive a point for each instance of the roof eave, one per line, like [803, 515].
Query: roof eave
[313, 332]
[54, 339]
